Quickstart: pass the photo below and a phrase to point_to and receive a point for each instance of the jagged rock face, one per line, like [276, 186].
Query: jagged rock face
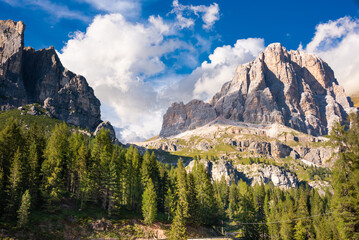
[260, 174]
[180, 117]
[11, 44]
[29, 76]
[252, 174]
[292, 88]
[217, 170]
[106, 125]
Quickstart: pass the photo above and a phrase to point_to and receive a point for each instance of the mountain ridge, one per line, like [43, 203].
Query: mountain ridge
[28, 76]
[293, 88]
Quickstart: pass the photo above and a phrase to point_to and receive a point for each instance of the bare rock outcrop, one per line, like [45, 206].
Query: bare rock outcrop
[252, 174]
[180, 117]
[293, 88]
[28, 76]
[12, 90]
[264, 174]
[107, 126]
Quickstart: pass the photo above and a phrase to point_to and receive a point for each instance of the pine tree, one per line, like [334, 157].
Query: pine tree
[287, 226]
[259, 197]
[192, 200]
[24, 210]
[14, 186]
[182, 190]
[233, 201]
[33, 171]
[149, 204]
[11, 139]
[178, 227]
[55, 166]
[82, 169]
[170, 203]
[346, 178]
[205, 195]
[302, 227]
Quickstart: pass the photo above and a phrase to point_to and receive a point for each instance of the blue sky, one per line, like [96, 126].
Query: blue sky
[141, 55]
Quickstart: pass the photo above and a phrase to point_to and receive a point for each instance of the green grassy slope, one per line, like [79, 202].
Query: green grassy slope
[43, 121]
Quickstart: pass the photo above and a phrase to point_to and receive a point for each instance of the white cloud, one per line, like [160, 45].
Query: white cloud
[116, 57]
[56, 10]
[209, 14]
[223, 62]
[337, 42]
[129, 8]
[122, 60]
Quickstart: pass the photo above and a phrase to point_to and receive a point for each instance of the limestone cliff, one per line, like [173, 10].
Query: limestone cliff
[293, 88]
[29, 76]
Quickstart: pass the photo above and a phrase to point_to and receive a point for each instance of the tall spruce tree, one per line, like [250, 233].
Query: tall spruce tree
[55, 166]
[149, 204]
[24, 210]
[178, 227]
[14, 187]
[346, 178]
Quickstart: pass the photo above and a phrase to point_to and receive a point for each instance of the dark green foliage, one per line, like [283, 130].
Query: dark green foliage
[346, 179]
[178, 228]
[24, 210]
[65, 167]
[149, 204]
[56, 166]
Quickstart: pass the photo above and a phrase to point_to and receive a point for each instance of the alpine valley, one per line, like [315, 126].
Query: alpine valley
[272, 155]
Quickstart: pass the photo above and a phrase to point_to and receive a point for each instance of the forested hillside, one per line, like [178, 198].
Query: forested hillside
[43, 172]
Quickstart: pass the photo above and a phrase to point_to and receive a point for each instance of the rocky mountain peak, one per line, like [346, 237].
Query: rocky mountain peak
[29, 76]
[293, 88]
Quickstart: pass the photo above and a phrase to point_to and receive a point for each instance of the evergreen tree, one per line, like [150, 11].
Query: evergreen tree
[192, 201]
[182, 190]
[205, 195]
[178, 227]
[149, 204]
[346, 178]
[287, 226]
[11, 139]
[55, 166]
[14, 184]
[24, 210]
[170, 203]
[259, 198]
[33, 176]
[233, 201]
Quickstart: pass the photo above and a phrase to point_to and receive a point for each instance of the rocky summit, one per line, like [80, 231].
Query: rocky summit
[292, 88]
[28, 76]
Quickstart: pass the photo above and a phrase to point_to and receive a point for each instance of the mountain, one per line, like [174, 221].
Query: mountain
[28, 76]
[292, 88]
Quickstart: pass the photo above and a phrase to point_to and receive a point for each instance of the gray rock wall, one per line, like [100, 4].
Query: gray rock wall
[28, 76]
[293, 88]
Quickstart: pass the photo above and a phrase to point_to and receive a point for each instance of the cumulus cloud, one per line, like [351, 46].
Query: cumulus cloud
[123, 62]
[210, 76]
[337, 42]
[209, 14]
[116, 57]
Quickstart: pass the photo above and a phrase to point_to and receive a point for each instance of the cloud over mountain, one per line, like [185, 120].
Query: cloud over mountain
[337, 42]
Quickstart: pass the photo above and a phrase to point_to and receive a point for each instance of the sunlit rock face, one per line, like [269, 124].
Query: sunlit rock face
[29, 76]
[293, 88]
